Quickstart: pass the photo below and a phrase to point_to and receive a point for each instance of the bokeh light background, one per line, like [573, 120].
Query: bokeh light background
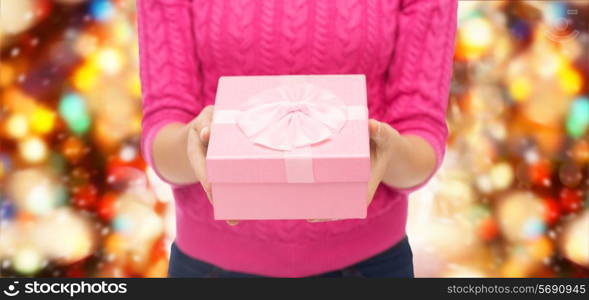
[77, 199]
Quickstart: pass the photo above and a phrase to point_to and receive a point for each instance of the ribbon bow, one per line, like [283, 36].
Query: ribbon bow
[292, 116]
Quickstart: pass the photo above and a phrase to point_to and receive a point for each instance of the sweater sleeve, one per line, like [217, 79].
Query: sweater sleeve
[169, 70]
[419, 74]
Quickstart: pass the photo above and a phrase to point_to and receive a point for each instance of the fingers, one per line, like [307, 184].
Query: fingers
[205, 117]
[232, 222]
[316, 220]
[197, 149]
[382, 139]
[204, 135]
[321, 220]
[198, 143]
[202, 124]
[201, 171]
[372, 186]
[382, 134]
[378, 131]
[374, 129]
[206, 186]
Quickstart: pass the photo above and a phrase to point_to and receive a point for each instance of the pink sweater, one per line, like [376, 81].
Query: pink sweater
[404, 47]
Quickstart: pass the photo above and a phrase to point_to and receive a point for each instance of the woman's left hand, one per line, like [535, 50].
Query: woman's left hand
[382, 140]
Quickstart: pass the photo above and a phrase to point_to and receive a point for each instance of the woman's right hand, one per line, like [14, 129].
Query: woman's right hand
[199, 131]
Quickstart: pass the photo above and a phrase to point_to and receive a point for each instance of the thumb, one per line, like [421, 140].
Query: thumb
[376, 131]
[204, 135]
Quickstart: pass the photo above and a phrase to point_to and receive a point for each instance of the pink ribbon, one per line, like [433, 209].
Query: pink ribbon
[292, 116]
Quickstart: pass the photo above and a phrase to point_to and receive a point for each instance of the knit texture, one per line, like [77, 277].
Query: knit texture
[404, 48]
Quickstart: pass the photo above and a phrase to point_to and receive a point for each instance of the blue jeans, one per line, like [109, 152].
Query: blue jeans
[396, 261]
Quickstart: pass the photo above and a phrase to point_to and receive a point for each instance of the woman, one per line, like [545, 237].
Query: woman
[404, 48]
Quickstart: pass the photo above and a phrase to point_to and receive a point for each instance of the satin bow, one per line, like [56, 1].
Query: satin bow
[292, 116]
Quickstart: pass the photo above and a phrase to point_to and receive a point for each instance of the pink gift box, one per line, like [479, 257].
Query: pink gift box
[289, 147]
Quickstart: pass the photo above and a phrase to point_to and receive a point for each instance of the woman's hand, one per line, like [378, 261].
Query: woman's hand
[400, 161]
[196, 148]
[382, 137]
[179, 151]
[197, 142]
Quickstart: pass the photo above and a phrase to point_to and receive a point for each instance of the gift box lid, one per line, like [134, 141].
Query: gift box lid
[289, 128]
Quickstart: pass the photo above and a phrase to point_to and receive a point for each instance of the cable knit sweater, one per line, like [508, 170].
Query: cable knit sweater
[404, 48]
